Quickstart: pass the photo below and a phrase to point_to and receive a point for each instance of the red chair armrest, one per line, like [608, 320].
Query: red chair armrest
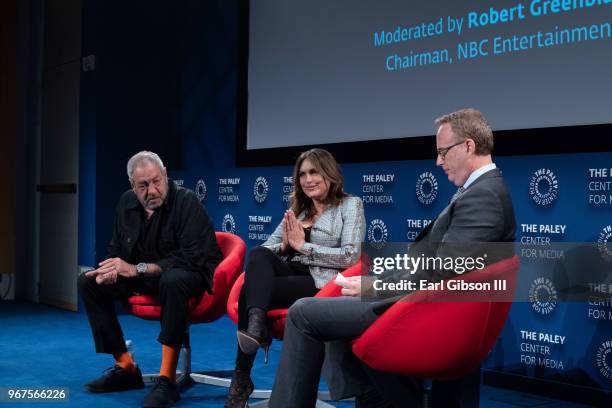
[232, 300]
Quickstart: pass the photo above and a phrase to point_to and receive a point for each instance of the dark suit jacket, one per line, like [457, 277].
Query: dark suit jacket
[483, 213]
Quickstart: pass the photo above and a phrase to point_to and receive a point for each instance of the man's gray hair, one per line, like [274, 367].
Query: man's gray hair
[141, 157]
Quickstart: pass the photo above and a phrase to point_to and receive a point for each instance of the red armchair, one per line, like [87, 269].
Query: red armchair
[442, 334]
[205, 309]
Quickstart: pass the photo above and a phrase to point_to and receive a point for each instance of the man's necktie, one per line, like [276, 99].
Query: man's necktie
[455, 196]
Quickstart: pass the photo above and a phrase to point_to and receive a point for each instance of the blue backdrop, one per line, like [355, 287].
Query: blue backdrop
[165, 80]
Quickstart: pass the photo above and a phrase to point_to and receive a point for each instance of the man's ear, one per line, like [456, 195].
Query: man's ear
[471, 145]
[132, 183]
[164, 172]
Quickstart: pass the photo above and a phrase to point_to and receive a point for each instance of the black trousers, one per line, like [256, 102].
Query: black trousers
[271, 283]
[174, 287]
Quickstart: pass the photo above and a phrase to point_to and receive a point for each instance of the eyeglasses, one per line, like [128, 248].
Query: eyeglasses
[443, 151]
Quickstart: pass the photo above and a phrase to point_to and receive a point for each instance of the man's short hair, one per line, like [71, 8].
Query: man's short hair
[470, 124]
[140, 158]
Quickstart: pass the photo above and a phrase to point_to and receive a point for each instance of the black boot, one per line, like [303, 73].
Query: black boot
[241, 386]
[239, 390]
[256, 334]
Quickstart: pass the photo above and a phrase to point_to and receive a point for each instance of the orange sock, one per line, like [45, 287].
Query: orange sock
[169, 362]
[124, 360]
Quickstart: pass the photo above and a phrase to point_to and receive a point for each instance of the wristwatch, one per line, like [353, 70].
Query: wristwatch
[141, 268]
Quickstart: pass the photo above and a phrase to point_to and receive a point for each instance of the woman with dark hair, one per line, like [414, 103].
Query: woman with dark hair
[319, 236]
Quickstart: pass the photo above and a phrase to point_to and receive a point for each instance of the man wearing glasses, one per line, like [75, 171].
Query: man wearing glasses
[480, 211]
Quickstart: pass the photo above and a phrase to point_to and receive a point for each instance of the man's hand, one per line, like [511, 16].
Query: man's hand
[110, 268]
[107, 278]
[119, 265]
[356, 286]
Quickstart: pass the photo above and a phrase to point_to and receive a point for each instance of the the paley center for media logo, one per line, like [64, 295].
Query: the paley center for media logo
[543, 187]
[426, 188]
[377, 232]
[604, 241]
[603, 359]
[543, 296]
[260, 189]
[200, 189]
[228, 224]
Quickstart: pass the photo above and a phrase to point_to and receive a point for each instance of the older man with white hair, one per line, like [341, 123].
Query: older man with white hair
[164, 244]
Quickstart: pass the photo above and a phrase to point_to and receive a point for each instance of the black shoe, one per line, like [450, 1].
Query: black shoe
[249, 344]
[239, 390]
[116, 379]
[163, 394]
[256, 334]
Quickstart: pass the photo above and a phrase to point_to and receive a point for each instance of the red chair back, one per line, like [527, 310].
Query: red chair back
[438, 334]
